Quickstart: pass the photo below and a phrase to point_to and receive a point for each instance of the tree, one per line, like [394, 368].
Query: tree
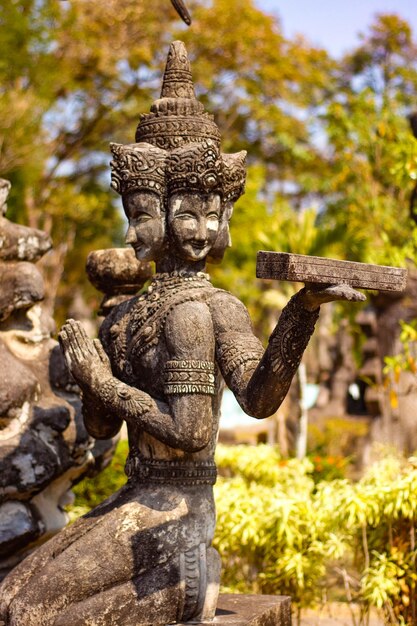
[85, 71]
[372, 154]
[72, 83]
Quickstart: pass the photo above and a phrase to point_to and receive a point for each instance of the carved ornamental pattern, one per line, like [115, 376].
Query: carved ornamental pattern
[290, 337]
[152, 309]
[169, 472]
[197, 167]
[177, 118]
[138, 167]
[189, 377]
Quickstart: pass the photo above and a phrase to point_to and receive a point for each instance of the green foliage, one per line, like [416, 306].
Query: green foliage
[328, 467]
[278, 532]
[328, 141]
[405, 361]
[84, 71]
[92, 491]
[271, 535]
[373, 153]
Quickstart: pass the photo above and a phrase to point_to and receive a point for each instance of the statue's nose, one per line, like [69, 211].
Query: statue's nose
[201, 231]
[130, 235]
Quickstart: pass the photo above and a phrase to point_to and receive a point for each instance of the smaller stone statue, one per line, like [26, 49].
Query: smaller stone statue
[44, 447]
[144, 556]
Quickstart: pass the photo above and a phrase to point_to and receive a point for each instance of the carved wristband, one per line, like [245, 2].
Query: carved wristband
[122, 399]
[291, 336]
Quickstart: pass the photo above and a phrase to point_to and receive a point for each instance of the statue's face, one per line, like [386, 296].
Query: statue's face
[146, 232]
[193, 220]
[223, 240]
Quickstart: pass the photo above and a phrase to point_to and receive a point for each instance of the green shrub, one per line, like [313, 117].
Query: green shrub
[278, 532]
[91, 491]
[274, 537]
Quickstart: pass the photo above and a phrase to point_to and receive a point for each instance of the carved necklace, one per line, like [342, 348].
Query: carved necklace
[152, 308]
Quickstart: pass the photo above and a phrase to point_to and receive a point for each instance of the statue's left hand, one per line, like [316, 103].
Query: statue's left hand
[313, 295]
[85, 357]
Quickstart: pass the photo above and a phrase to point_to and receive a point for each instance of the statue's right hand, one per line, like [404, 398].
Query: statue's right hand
[86, 358]
[314, 295]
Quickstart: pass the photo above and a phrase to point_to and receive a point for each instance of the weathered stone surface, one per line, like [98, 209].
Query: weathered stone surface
[252, 610]
[18, 527]
[18, 242]
[118, 274]
[44, 446]
[59, 374]
[21, 243]
[117, 271]
[5, 187]
[17, 385]
[21, 286]
[144, 556]
[312, 269]
[381, 325]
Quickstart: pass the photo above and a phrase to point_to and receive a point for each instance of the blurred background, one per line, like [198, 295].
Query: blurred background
[323, 96]
[320, 95]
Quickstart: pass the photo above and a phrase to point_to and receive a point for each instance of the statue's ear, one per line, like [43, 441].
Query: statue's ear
[223, 239]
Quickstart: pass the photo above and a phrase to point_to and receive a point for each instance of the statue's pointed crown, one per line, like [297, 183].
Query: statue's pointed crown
[177, 81]
[178, 144]
[177, 118]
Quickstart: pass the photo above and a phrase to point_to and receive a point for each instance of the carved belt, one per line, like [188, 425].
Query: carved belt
[140, 469]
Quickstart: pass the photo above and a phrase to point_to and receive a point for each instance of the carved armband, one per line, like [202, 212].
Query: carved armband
[290, 337]
[124, 400]
[182, 377]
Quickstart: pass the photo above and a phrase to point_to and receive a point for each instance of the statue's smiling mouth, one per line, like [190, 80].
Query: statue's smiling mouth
[198, 245]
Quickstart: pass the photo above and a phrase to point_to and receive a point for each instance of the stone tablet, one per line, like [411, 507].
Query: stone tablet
[313, 269]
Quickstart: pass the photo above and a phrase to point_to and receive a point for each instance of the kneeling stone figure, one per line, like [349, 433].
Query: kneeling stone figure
[144, 556]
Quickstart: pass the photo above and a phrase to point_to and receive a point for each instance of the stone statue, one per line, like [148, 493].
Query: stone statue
[144, 556]
[44, 446]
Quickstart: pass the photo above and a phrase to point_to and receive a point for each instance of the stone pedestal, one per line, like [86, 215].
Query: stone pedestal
[251, 610]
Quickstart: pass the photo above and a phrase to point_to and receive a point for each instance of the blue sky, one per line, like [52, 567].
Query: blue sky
[334, 24]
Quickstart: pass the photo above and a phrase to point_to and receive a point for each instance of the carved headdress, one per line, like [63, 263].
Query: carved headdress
[195, 167]
[177, 118]
[234, 175]
[138, 167]
[178, 145]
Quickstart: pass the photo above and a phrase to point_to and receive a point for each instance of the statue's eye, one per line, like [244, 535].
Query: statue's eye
[142, 217]
[185, 216]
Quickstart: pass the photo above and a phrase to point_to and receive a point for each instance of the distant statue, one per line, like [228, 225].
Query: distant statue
[144, 556]
[44, 446]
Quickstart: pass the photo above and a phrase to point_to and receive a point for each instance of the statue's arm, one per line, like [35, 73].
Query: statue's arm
[184, 420]
[260, 378]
